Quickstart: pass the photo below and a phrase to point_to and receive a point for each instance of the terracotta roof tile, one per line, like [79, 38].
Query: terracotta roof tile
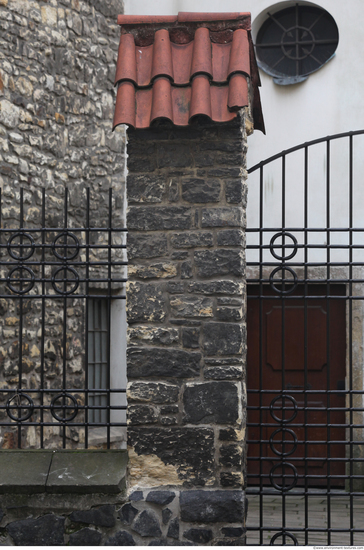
[185, 66]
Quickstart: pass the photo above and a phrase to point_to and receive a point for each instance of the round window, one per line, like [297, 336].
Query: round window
[294, 42]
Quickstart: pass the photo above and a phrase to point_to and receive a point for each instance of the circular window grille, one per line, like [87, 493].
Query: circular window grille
[295, 42]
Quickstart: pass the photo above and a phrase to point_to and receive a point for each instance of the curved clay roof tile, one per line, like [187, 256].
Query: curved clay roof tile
[126, 67]
[239, 54]
[162, 55]
[238, 92]
[202, 55]
[200, 97]
[162, 100]
[125, 105]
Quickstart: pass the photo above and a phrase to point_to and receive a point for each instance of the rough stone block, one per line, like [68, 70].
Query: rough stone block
[162, 498]
[158, 218]
[190, 450]
[234, 191]
[155, 392]
[85, 537]
[163, 363]
[175, 288]
[228, 434]
[221, 217]
[192, 239]
[211, 402]
[230, 237]
[230, 456]
[204, 506]
[152, 335]
[232, 531]
[229, 314]
[160, 270]
[199, 536]
[122, 538]
[219, 262]
[143, 188]
[223, 373]
[103, 516]
[47, 530]
[191, 306]
[173, 529]
[145, 302]
[146, 246]
[127, 513]
[231, 479]
[217, 287]
[147, 524]
[176, 155]
[200, 191]
[141, 414]
[186, 270]
[223, 338]
[190, 338]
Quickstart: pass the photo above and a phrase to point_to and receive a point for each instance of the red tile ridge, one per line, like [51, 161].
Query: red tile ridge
[182, 17]
[190, 16]
[146, 19]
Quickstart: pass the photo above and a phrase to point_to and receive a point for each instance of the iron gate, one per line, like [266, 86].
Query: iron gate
[305, 274]
[62, 262]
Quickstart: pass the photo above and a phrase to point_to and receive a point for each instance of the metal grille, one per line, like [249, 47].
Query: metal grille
[58, 256]
[305, 273]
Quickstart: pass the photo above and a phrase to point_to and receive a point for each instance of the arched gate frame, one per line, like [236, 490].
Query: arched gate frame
[305, 275]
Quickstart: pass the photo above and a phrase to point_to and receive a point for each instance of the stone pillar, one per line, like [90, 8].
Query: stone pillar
[186, 192]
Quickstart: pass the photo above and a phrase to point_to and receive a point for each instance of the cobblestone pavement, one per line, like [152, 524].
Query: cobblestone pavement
[317, 518]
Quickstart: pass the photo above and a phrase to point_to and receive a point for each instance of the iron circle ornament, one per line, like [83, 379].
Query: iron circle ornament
[285, 488]
[283, 398]
[284, 534]
[18, 407]
[57, 246]
[56, 407]
[273, 282]
[65, 281]
[294, 246]
[11, 280]
[13, 246]
[283, 442]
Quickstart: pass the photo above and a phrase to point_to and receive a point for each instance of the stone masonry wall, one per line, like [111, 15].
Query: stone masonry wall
[57, 66]
[186, 394]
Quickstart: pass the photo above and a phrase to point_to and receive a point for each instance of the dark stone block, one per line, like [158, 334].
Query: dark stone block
[229, 314]
[155, 392]
[204, 506]
[175, 288]
[210, 263]
[122, 538]
[200, 190]
[141, 163]
[191, 450]
[181, 255]
[234, 191]
[223, 373]
[231, 479]
[160, 497]
[174, 154]
[147, 524]
[85, 537]
[186, 270]
[222, 338]
[222, 361]
[152, 335]
[199, 536]
[45, 531]
[190, 338]
[191, 306]
[2, 514]
[168, 421]
[217, 287]
[145, 303]
[141, 414]
[166, 515]
[162, 363]
[221, 217]
[217, 172]
[144, 188]
[136, 496]
[173, 191]
[230, 237]
[219, 145]
[211, 402]
[230, 456]
[157, 218]
[229, 542]
[232, 531]
[185, 322]
[146, 246]
[103, 516]
[169, 409]
[173, 529]
[192, 239]
[227, 301]
[127, 513]
[227, 434]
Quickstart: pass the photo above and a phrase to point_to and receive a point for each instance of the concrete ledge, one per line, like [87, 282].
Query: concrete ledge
[62, 471]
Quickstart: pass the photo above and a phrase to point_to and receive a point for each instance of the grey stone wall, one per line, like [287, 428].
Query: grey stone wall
[57, 65]
[186, 193]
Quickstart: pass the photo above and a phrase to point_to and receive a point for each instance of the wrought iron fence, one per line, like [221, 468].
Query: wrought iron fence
[62, 276]
[305, 273]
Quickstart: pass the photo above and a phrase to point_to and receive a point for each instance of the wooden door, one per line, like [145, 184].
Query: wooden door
[296, 419]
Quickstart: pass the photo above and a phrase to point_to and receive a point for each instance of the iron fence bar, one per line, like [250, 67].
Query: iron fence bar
[261, 222]
[305, 217]
[351, 436]
[87, 237]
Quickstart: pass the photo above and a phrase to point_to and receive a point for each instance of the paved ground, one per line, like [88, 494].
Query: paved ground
[317, 518]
